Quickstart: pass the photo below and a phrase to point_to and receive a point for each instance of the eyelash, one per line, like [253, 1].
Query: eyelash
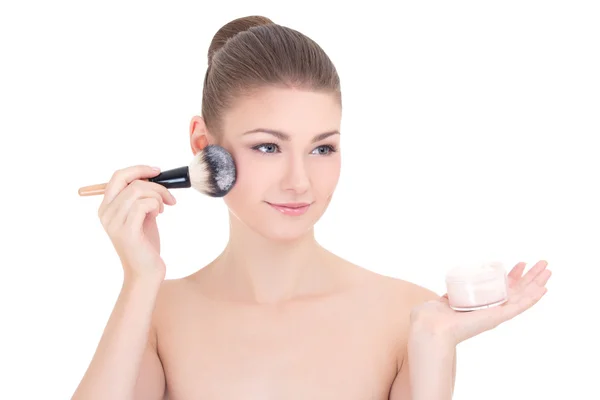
[331, 148]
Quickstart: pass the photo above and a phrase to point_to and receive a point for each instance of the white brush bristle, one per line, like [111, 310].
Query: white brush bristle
[213, 171]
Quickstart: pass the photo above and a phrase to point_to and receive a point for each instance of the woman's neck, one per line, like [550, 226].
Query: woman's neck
[255, 269]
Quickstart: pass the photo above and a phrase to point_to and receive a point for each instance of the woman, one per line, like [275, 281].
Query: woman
[275, 315]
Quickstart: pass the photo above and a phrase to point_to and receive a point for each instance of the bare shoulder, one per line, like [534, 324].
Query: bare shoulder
[404, 295]
[399, 291]
[410, 293]
[391, 299]
[174, 294]
[394, 296]
[177, 288]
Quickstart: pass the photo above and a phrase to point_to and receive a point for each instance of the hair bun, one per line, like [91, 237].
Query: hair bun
[232, 28]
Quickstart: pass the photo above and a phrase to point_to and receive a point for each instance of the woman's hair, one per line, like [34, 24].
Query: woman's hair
[249, 53]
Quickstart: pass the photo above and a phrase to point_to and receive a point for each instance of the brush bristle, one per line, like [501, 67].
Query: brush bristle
[213, 171]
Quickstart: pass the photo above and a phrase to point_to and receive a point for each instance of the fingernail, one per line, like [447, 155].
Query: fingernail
[157, 169]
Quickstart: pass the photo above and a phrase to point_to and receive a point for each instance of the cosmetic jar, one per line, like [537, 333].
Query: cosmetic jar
[475, 287]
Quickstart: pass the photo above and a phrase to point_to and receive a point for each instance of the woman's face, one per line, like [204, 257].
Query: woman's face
[286, 146]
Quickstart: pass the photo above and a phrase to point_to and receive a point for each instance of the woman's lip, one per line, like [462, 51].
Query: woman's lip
[290, 205]
[293, 209]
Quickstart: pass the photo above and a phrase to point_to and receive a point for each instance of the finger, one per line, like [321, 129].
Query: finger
[122, 178]
[533, 273]
[515, 274]
[167, 196]
[543, 277]
[143, 187]
[115, 215]
[139, 211]
[528, 296]
[529, 299]
[136, 191]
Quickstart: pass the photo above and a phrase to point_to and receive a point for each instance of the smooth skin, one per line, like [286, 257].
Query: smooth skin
[275, 315]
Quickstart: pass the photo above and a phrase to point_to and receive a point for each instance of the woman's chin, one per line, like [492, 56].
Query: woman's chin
[273, 225]
[284, 234]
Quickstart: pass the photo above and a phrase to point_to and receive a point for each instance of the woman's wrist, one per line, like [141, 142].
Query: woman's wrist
[424, 329]
[147, 279]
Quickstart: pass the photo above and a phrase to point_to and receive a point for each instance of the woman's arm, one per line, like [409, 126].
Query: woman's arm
[436, 330]
[432, 369]
[428, 363]
[428, 370]
[125, 361]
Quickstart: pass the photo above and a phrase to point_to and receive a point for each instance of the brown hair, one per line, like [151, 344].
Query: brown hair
[253, 52]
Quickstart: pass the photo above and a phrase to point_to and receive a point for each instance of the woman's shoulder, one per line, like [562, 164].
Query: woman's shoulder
[175, 292]
[400, 292]
[410, 292]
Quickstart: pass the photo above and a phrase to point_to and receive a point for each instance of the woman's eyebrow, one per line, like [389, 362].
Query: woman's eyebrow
[286, 137]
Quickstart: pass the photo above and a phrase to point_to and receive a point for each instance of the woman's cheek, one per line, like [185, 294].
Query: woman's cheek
[325, 176]
[254, 173]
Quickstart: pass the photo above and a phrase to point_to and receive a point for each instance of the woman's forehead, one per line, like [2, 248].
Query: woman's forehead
[292, 111]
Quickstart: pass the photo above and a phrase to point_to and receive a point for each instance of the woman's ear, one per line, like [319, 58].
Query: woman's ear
[199, 135]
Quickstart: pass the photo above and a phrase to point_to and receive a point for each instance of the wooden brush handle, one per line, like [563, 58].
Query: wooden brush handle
[92, 190]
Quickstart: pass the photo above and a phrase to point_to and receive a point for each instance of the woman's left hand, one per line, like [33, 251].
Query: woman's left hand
[437, 318]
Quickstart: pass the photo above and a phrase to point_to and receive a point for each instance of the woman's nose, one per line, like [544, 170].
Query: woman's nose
[296, 177]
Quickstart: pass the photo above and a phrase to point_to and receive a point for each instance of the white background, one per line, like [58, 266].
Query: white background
[470, 132]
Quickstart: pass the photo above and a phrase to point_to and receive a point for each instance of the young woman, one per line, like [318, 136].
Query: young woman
[275, 315]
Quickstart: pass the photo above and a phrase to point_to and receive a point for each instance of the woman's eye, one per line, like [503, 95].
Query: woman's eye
[266, 148]
[273, 148]
[324, 150]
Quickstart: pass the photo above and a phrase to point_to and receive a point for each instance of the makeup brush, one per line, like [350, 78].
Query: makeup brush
[212, 172]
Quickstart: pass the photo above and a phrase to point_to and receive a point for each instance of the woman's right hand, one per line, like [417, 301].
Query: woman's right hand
[128, 214]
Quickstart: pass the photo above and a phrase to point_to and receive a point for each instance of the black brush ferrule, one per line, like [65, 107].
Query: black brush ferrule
[176, 178]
